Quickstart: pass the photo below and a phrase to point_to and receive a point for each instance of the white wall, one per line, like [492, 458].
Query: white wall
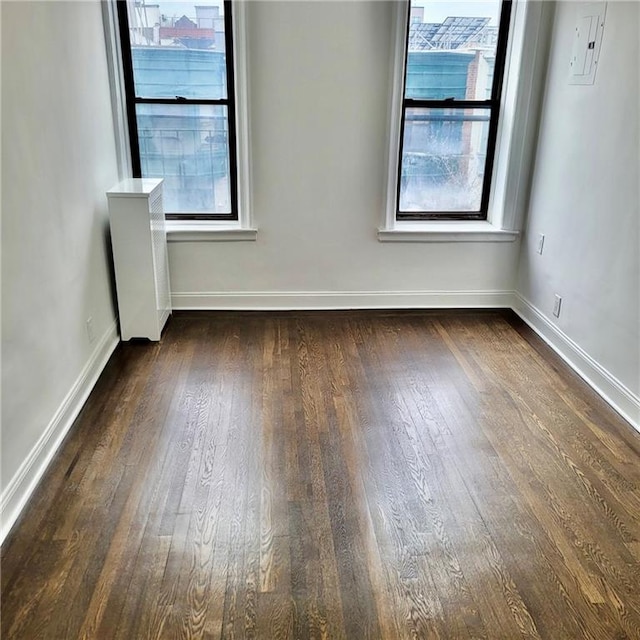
[319, 93]
[584, 198]
[58, 158]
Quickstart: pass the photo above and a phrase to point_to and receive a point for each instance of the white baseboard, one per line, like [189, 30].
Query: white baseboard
[622, 399]
[18, 491]
[311, 300]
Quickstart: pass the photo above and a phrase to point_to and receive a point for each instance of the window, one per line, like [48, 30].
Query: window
[178, 73]
[454, 65]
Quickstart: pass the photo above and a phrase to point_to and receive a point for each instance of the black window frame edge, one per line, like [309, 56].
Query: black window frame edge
[230, 102]
[493, 104]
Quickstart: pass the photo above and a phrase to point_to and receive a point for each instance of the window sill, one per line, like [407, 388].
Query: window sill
[207, 231]
[462, 231]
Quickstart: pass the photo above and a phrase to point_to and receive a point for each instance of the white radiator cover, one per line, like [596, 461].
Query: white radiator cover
[139, 243]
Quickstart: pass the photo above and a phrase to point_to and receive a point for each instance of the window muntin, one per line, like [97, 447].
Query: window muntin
[178, 69]
[454, 63]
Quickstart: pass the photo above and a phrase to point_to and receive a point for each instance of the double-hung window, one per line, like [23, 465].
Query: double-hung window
[177, 62]
[454, 65]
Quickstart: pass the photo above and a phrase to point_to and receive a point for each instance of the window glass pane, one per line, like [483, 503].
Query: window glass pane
[178, 49]
[188, 146]
[443, 159]
[452, 49]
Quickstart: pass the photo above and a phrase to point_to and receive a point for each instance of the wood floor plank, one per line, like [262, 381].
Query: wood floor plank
[295, 475]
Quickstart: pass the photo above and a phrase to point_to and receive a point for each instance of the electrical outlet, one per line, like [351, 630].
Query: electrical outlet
[90, 330]
[557, 305]
[540, 245]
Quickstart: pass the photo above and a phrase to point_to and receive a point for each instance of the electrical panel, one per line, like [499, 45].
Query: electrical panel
[587, 41]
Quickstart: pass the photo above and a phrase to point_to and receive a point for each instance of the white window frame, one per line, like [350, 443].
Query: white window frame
[192, 230]
[520, 106]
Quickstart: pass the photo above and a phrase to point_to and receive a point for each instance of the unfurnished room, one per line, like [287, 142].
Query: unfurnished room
[320, 319]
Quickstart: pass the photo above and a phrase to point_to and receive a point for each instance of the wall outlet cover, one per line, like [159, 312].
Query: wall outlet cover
[557, 306]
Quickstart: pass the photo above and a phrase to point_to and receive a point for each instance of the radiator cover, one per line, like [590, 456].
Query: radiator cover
[139, 244]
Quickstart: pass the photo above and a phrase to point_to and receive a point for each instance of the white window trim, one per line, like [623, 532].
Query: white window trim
[240, 51]
[522, 88]
[208, 231]
[192, 230]
[116, 83]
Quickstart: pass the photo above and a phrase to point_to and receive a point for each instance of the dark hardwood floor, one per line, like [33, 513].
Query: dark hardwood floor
[334, 475]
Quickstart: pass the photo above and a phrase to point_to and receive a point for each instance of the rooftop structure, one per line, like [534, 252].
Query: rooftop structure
[453, 33]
